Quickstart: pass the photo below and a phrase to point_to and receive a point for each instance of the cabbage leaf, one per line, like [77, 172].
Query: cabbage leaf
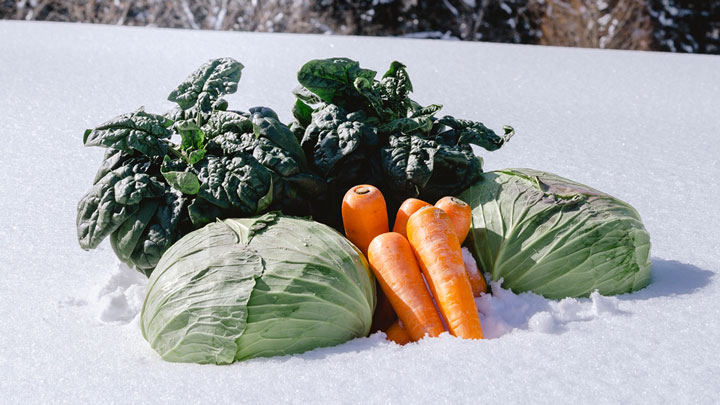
[255, 287]
[542, 233]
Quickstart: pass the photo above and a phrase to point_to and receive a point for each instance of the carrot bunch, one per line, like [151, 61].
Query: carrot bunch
[419, 266]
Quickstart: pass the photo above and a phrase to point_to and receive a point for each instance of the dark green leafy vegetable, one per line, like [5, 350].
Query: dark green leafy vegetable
[356, 129]
[112, 200]
[234, 183]
[202, 89]
[333, 80]
[136, 131]
[149, 191]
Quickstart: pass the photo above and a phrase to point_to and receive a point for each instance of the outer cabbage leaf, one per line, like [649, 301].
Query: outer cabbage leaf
[542, 233]
[253, 287]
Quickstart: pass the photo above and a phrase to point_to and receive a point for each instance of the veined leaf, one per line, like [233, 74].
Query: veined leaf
[133, 132]
[206, 85]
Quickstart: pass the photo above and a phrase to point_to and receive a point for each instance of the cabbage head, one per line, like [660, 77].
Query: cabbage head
[255, 287]
[542, 233]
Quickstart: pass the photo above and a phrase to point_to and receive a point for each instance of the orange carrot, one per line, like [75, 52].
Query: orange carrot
[477, 281]
[407, 208]
[435, 244]
[384, 315]
[364, 215]
[391, 259]
[398, 334]
[459, 212]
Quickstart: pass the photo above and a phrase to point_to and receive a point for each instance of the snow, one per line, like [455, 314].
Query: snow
[640, 126]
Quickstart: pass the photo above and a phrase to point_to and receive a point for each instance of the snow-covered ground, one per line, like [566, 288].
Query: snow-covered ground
[641, 126]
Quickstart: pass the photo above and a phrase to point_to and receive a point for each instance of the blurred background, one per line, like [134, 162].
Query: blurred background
[689, 26]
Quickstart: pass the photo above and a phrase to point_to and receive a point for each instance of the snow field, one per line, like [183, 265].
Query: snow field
[639, 126]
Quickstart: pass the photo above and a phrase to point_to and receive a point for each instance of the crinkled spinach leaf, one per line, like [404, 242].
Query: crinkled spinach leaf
[332, 79]
[204, 87]
[137, 131]
[471, 132]
[167, 225]
[334, 135]
[112, 200]
[234, 183]
[408, 163]
[280, 135]
[126, 237]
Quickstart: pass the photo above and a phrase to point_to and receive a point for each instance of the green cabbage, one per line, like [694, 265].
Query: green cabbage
[542, 233]
[255, 287]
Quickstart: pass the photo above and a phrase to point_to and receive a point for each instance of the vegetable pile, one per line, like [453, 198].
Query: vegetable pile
[206, 201]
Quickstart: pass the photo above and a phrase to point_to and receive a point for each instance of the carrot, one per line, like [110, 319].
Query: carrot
[391, 259]
[477, 281]
[407, 208]
[461, 215]
[398, 334]
[364, 215]
[384, 315]
[459, 212]
[435, 244]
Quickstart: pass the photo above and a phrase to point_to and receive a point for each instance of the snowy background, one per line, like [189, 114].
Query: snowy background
[641, 126]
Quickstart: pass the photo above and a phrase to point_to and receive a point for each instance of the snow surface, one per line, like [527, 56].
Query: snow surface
[641, 126]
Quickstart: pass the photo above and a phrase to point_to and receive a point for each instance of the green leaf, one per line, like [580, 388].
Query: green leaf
[112, 200]
[280, 135]
[261, 112]
[329, 78]
[471, 132]
[124, 239]
[454, 170]
[182, 180]
[113, 159]
[543, 233]
[223, 122]
[265, 202]
[234, 183]
[203, 212]
[333, 136]
[408, 164]
[252, 287]
[306, 96]
[398, 80]
[206, 85]
[165, 227]
[133, 132]
[192, 137]
[302, 112]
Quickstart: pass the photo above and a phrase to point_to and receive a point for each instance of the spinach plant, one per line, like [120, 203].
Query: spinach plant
[151, 190]
[355, 129]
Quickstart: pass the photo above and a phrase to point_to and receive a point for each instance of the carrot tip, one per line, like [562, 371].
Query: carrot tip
[362, 190]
